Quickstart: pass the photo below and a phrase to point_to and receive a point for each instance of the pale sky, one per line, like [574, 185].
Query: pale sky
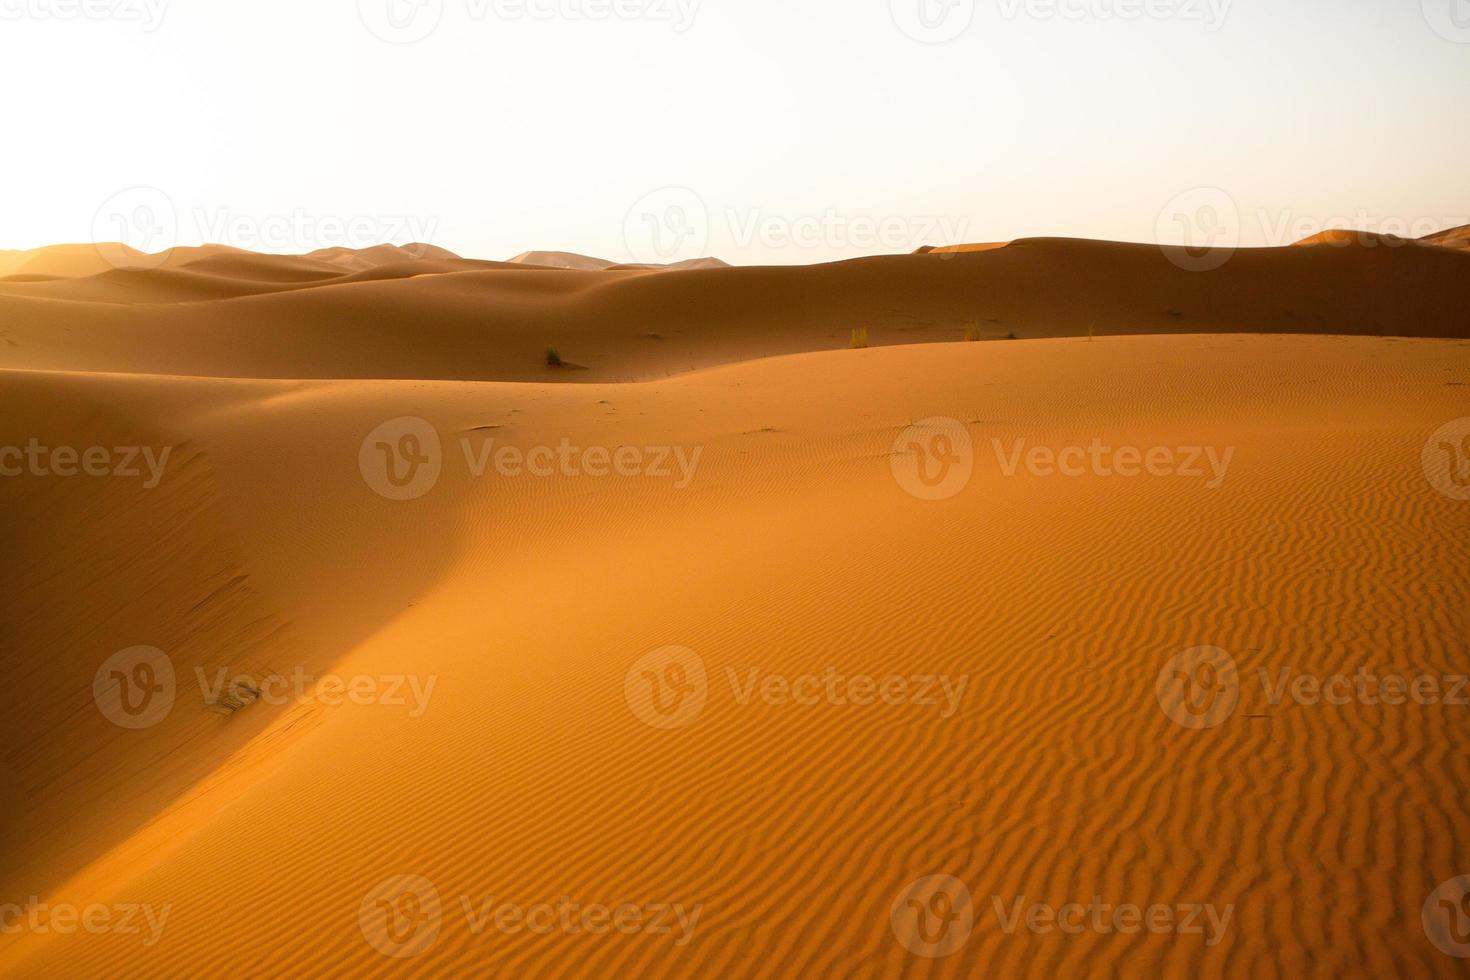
[784, 131]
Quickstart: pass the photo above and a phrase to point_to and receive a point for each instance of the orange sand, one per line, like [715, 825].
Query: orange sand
[793, 550]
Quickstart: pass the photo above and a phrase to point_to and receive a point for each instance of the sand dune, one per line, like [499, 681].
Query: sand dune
[793, 551]
[361, 259]
[588, 263]
[562, 260]
[1348, 237]
[512, 616]
[80, 261]
[957, 249]
[1452, 238]
[457, 319]
[63, 260]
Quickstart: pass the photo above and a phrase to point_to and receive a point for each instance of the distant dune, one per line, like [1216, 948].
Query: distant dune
[949, 249]
[562, 260]
[225, 313]
[1452, 238]
[79, 261]
[1340, 237]
[587, 263]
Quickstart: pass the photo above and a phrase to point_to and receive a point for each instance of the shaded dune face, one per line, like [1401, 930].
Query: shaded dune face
[778, 816]
[172, 556]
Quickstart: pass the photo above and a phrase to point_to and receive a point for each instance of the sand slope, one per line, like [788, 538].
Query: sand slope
[793, 550]
[588, 263]
[1452, 238]
[458, 319]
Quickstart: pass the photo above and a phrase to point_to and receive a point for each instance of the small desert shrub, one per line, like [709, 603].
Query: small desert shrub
[553, 357]
[1012, 336]
[859, 337]
[972, 332]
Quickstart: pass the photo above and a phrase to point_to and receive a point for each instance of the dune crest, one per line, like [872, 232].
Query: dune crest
[258, 316]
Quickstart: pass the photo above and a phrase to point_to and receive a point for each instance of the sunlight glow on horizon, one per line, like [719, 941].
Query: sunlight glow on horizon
[753, 132]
